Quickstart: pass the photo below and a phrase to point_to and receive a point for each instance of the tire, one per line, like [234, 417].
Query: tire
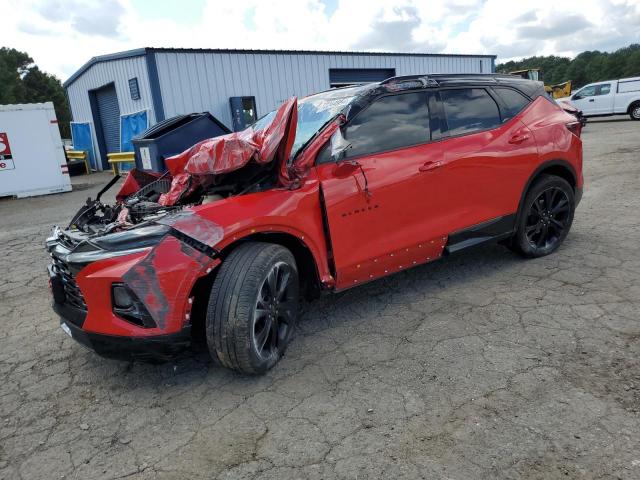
[542, 229]
[634, 111]
[253, 307]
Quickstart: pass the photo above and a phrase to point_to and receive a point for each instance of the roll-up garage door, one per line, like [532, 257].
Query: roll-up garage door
[109, 113]
[340, 77]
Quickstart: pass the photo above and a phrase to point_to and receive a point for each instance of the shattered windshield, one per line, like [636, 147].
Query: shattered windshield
[313, 112]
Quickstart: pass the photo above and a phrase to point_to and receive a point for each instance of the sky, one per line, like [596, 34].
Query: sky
[61, 35]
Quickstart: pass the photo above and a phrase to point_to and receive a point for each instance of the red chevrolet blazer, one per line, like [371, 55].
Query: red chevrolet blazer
[326, 193]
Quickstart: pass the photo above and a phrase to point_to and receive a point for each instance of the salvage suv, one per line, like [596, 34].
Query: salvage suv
[326, 193]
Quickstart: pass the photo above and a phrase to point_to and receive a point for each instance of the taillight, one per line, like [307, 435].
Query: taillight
[575, 128]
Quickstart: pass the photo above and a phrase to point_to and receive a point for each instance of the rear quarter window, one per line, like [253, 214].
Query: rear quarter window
[469, 110]
[514, 102]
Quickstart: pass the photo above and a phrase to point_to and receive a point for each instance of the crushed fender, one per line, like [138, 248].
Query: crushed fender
[194, 226]
[153, 281]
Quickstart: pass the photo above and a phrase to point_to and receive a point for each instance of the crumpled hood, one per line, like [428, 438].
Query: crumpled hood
[233, 151]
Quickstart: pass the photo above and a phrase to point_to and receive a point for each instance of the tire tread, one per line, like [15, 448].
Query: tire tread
[231, 302]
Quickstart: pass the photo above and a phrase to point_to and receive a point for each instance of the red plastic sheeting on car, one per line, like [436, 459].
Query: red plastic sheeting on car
[135, 180]
[230, 152]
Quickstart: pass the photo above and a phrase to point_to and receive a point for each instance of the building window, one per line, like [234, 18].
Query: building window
[133, 88]
[243, 112]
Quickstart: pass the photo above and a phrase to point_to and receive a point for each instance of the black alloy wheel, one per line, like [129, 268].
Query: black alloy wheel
[253, 307]
[545, 218]
[548, 218]
[275, 310]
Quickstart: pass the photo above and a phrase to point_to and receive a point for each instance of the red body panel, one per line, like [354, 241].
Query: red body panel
[483, 174]
[372, 230]
[418, 195]
[392, 211]
[547, 122]
[162, 277]
[296, 212]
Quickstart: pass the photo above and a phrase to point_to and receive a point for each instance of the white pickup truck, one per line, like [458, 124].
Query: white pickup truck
[612, 97]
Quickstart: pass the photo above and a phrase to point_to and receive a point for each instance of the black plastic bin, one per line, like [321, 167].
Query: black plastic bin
[172, 136]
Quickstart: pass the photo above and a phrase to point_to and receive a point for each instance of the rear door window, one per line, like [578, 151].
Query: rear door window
[514, 102]
[389, 123]
[469, 110]
[589, 91]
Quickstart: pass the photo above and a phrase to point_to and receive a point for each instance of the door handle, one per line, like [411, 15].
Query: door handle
[519, 138]
[430, 165]
[592, 99]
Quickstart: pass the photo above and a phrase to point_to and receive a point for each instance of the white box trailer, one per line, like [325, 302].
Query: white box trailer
[32, 160]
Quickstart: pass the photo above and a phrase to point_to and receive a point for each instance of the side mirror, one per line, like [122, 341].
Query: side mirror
[576, 97]
[339, 145]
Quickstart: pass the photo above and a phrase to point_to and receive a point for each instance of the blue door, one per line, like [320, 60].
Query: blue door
[106, 113]
[82, 140]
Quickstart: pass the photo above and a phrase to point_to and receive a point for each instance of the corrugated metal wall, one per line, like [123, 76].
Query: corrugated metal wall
[193, 81]
[197, 81]
[119, 72]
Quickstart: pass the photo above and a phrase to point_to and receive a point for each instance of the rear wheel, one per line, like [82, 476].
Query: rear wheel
[546, 217]
[634, 111]
[253, 307]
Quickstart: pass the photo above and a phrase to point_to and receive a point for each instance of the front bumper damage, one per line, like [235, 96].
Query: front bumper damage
[160, 275]
[157, 347]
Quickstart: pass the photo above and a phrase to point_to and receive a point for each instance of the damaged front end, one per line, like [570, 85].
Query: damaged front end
[131, 284]
[126, 270]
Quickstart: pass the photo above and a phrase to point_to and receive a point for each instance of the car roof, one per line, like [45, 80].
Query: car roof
[454, 79]
[371, 91]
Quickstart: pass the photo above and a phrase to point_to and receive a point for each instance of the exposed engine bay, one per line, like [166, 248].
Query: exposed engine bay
[138, 199]
[212, 170]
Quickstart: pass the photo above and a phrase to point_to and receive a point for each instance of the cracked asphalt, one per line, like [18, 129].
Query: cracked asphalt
[482, 365]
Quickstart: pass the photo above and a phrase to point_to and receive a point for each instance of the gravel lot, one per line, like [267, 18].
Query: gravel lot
[481, 365]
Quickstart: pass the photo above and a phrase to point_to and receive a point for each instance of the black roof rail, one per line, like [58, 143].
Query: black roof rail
[425, 80]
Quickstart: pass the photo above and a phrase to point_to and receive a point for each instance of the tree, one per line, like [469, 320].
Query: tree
[587, 67]
[23, 82]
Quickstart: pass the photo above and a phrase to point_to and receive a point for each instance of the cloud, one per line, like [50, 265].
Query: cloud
[555, 28]
[529, 16]
[396, 34]
[68, 18]
[102, 18]
[61, 35]
[33, 29]
[57, 10]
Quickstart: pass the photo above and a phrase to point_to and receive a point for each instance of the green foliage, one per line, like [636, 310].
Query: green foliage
[23, 82]
[590, 66]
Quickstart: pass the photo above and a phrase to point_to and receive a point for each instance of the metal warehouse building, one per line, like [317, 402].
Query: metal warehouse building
[113, 97]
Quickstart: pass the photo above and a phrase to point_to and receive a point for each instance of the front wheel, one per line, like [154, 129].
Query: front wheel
[253, 307]
[546, 217]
